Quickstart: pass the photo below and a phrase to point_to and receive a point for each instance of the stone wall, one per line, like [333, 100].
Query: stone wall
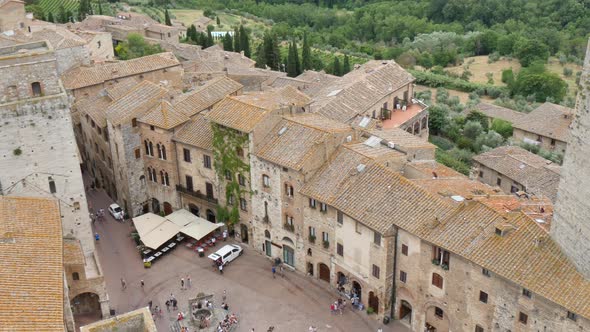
[490, 176]
[12, 16]
[100, 48]
[68, 58]
[460, 296]
[570, 227]
[545, 143]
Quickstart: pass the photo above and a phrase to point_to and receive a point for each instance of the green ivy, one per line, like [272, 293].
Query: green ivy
[226, 142]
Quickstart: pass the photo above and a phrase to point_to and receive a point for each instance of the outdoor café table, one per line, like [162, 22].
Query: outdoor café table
[158, 254]
[171, 245]
[180, 238]
[149, 259]
[201, 251]
[165, 249]
[147, 252]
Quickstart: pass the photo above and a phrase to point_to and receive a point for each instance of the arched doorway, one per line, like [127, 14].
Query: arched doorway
[210, 216]
[357, 290]
[155, 206]
[324, 272]
[167, 208]
[244, 233]
[374, 302]
[194, 209]
[310, 269]
[405, 312]
[288, 255]
[87, 304]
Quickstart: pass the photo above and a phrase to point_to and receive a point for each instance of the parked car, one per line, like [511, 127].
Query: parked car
[116, 211]
[226, 254]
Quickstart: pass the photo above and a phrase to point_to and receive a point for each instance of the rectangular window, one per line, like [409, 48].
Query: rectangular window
[340, 217]
[481, 174]
[311, 231]
[441, 257]
[231, 200]
[552, 142]
[325, 237]
[483, 297]
[404, 250]
[572, 316]
[312, 203]
[499, 182]
[527, 293]
[137, 154]
[376, 271]
[377, 238]
[241, 180]
[243, 204]
[323, 207]
[438, 312]
[207, 161]
[403, 277]
[486, 272]
[437, 280]
[289, 220]
[340, 249]
[523, 318]
[187, 155]
[189, 183]
[228, 175]
[265, 180]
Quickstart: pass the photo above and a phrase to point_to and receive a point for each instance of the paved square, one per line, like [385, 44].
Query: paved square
[292, 303]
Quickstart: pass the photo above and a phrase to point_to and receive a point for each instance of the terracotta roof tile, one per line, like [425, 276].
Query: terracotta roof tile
[80, 77]
[31, 255]
[95, 108]
[430, 168]
[205, 96]
[549, 120]
[164, 115]
[197, 132]
[498, 112]
[135, 103]
[73, 252]
[537, 174]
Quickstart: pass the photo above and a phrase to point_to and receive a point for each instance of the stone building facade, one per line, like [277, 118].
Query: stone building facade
[39, 148]
[12, 15]
[570, 227]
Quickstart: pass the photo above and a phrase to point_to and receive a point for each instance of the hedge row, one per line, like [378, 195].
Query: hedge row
[437, 80]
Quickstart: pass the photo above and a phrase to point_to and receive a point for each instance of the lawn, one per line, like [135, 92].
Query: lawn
[479, 67]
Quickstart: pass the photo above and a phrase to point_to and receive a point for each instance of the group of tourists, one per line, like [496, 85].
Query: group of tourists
[338, 306]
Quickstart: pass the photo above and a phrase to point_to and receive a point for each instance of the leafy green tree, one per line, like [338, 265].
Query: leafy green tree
[217, 20]
[100, 7]
[437, 119]
[70, 16]
[244, 41]
[228, 42]
[84, 9]
[508, 76]
[472, 129]
[306, 53]
[530, 51]
[479, 117]
[62, 16]
[167, 20]
[540, 83]
[488, 140]
[37, 11]
[346, 65]
[336, 68]
[502, 127]
[50, 17]
[136, 47]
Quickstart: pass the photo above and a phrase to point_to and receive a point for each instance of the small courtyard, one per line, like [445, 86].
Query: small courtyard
[289, 303]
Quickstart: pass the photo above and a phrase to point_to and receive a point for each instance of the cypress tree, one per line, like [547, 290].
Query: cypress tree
[237, 40]
[167, 18]
[99, 7]
[62, 15]
[291, 66]
[346, 66]
[260, 56]
[217, 21]
[83, 10]
[69, 16]
[50, 17]
[336, 67]
[244, 41]
[228, 42]
[210, 41]
[276, 52]
[298, 70]
[306, 53]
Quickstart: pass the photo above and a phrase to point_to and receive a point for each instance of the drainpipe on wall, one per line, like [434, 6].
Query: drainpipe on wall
[178, 173]
[394, 283]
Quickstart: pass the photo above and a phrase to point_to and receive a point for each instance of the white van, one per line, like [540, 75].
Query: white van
[227, 253]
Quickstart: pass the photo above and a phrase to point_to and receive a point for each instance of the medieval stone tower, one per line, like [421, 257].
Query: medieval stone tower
[571, 223]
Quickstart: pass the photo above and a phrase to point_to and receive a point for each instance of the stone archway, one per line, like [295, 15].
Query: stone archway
[374, 302]
[194, 209]
[244, 233]
[86, 308]
[358, 290]
[324, 272]
[210, 216]
[155, 206]
[405, 312]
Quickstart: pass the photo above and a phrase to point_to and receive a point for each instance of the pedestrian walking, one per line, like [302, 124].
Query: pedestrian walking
[168, 305]
[96, 236]
[225, 235]
[220, 269]
[274, 271]
[142, 283]
[181, 283]
[174, 304]
[379, 330]
[224, 297]
[189, 283]
[123, 284]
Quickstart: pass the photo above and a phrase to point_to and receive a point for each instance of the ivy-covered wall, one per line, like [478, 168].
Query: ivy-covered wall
[229, 166]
